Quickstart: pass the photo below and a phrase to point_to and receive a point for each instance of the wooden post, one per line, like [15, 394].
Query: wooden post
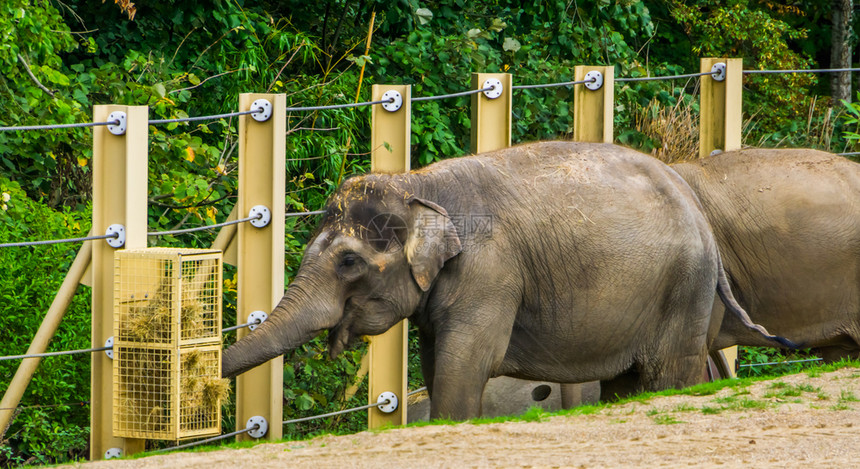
[260, 271]
[119, 197]
[720, 112]
[593, 108]
[491, 112]
[720, 123]
[387, 354]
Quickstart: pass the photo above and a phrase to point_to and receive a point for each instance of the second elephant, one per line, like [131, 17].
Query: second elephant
[787, 223]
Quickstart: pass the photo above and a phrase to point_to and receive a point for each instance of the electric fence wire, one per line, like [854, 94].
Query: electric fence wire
[47, 406]
[256, 426]
[153, 233]
[209, 440]
[669, 77]
[55, 354]
[58, 241]
[255, 322]
[819, 70]
[58, 126]
[552, 85]
[452, 95]
[107, 347]
[204, 118]
[787, 362]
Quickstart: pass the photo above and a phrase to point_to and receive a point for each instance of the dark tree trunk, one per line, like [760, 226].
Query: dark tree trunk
[841, 48]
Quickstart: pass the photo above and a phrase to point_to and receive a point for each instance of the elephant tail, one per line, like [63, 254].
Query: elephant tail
[728, 299]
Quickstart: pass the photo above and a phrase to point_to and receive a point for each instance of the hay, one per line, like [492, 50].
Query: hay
[150, 319]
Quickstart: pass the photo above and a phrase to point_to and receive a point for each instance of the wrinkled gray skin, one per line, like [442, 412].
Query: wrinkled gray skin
[598, 264]
[787, 223]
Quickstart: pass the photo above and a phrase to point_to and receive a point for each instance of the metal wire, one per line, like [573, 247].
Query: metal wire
[208, 440]
[203, 118]
[247, 324]
[301, 214]
[58, 241]
[332, 414]
[40, 406]
[203, 228]
[781, 363]
[452, 95]
[54, 354]
[246, 430]
[58, 126]
[670, 77]
[820, 70]
[338, 106]
[551, 85]
[346, 411]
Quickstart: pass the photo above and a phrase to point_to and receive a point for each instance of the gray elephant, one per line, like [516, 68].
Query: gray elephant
[787, 223]
[555, 261]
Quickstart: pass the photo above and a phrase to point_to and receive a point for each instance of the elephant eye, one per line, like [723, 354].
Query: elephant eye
[351, 266]
[349, 260]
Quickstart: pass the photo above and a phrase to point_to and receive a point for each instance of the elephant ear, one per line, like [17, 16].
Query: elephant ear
[432, 241]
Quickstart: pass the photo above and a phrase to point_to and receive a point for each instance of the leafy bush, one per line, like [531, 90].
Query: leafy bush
[32, 276]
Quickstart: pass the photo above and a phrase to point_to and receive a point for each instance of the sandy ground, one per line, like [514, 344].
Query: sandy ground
[794, 421]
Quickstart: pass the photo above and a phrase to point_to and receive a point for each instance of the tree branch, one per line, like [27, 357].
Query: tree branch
[33, 77]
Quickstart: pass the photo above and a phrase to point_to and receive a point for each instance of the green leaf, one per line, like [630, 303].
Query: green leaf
[159, 90]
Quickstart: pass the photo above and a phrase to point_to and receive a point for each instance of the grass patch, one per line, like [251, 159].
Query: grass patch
[685, 408]
[847, 395]
[665, 419]
[783, 390]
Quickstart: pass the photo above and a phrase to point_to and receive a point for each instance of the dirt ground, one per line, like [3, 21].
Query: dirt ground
[794, 421]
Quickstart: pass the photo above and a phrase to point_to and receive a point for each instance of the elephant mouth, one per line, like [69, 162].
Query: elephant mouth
[341, 336]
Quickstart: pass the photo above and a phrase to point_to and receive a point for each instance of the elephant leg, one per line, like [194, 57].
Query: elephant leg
[836, 353]
[571, 395]
[428, 359]
[466, 355]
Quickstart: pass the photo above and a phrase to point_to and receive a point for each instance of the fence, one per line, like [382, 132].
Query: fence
[120, 207]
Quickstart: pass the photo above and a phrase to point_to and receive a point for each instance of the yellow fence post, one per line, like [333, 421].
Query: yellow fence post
[387, 354]
[119, 205]
[720, 112]
[593, 104]
[260, 270]
[491, 112]
[720, 123]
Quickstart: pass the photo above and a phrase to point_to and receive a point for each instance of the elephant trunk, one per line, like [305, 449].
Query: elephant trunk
[297, 319]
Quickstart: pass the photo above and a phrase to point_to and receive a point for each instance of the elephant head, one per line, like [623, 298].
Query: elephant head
[375, 252]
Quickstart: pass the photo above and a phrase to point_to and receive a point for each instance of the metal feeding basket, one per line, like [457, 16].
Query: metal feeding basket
[167, 343]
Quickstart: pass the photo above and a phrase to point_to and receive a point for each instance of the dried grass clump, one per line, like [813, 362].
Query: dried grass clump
[151, 319]
[676, 128]
[201, 387]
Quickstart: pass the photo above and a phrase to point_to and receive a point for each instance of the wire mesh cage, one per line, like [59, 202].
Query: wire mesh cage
[167, 343]
[167, 296]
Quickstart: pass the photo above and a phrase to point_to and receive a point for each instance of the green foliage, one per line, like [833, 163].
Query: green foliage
[739, 29]
[851, 121]
[32, 276]
[756, 356]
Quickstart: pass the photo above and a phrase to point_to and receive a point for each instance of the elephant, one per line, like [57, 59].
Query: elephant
[551, 261]
[787, 222]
